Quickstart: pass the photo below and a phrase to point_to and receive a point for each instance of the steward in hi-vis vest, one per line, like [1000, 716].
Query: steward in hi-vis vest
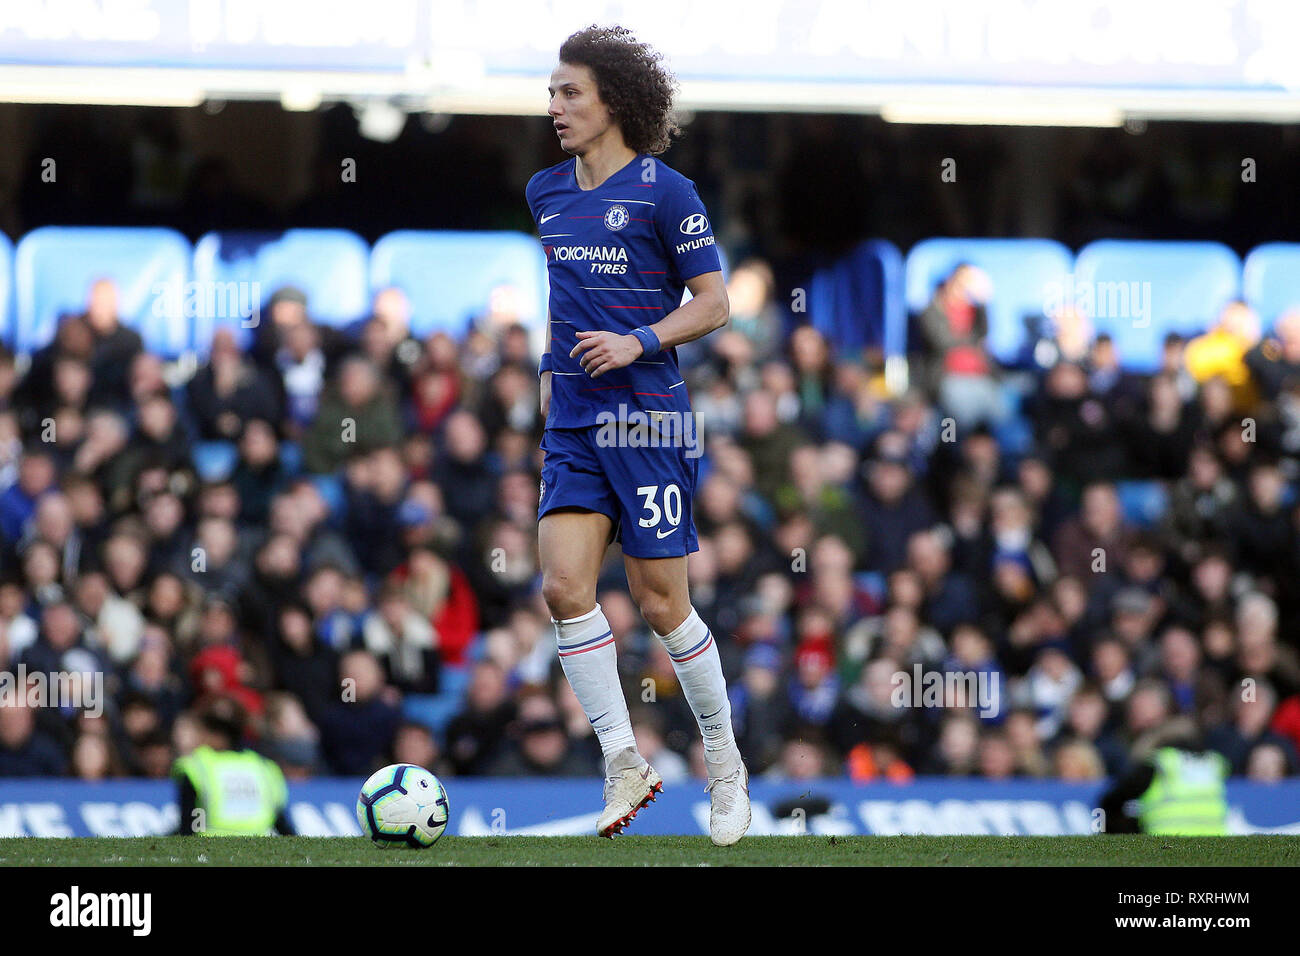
[1187, 794]
[1180, 789]
[228, 792]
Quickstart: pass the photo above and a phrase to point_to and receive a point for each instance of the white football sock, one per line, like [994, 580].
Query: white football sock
[695, 658]
[590, 662]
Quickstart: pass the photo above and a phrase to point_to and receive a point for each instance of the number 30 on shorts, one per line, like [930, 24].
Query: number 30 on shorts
[672, 505]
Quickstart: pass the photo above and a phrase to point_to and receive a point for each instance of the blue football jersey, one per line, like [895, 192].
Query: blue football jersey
[617, 257]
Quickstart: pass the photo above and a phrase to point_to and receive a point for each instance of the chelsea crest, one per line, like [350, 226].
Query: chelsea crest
[616, 217]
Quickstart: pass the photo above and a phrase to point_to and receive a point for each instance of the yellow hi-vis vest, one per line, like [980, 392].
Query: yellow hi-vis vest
[240, 792]
[1187, 796]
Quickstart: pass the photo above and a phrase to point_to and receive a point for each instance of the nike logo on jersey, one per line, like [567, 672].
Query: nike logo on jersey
[664, 534]
[545, 219]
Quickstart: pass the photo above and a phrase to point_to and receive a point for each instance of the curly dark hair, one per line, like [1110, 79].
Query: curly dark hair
[631, 81]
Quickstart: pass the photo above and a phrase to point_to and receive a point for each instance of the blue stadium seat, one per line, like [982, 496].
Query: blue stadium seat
[858, 301]
[335, 496]
[1270, 280]
[449, 276]
[215, 460]
[55, 266]
[435, 711]
[1027, 275]
[1143, 502]
[1014, 434]
[1189, 282]
[291, 458]
[329, 265]
[6, 289]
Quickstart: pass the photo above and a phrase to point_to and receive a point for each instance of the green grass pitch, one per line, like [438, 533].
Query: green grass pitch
[1263, 850]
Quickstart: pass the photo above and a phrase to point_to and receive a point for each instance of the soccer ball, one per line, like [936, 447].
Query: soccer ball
[403, 805]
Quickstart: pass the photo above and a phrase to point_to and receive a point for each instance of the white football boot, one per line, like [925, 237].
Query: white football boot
[630, 784]
[728, 791]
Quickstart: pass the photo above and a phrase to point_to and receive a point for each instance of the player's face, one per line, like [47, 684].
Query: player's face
[579, 116]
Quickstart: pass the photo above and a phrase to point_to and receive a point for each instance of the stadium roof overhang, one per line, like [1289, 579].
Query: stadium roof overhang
[1037, 62]
[519, 96]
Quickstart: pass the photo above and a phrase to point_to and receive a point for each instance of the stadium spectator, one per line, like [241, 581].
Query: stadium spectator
[355, 415]
[1258, 528]
[801, 759]
[114, 348]
[1021, 728]
[956, 750]
[463, 474]
[897, 634]
[1160, 438]
[768, 441]
[291, 739]
[751, 288]
[867, 714]
[404, 641]
[415, 744]
[25, 751]
[358, 726]
[1121, 389]
[1274, 362]
[671, 765]
[118, 625]
[537, 745]
[760, 709]
[892, 509]
[948, 597]
[960, 372]
[1098, 534]
[34, 391]
[95, 758]
[478, 731]
[1221, 352]
[228, 391]
[997, 760]
[1078, 760]
[36, 476]
[1268, 764]
[1073, 428]
[62, 647]
[814, 686]
[386, 339]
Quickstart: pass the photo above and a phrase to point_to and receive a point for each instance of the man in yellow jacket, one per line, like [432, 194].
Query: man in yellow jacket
[1179, 790]
[1222, 352]
[227, 792]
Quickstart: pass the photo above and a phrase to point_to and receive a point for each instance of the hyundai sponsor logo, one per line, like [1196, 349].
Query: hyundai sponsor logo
[695, 224]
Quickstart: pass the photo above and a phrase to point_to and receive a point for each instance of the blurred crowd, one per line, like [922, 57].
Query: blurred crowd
[330, 533]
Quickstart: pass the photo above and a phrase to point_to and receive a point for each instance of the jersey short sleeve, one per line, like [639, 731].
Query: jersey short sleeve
[685, 230]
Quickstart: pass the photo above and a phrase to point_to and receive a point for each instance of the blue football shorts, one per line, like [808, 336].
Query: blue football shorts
[648, 492]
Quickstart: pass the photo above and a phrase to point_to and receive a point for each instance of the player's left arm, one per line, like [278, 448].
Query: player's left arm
[707, 311]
